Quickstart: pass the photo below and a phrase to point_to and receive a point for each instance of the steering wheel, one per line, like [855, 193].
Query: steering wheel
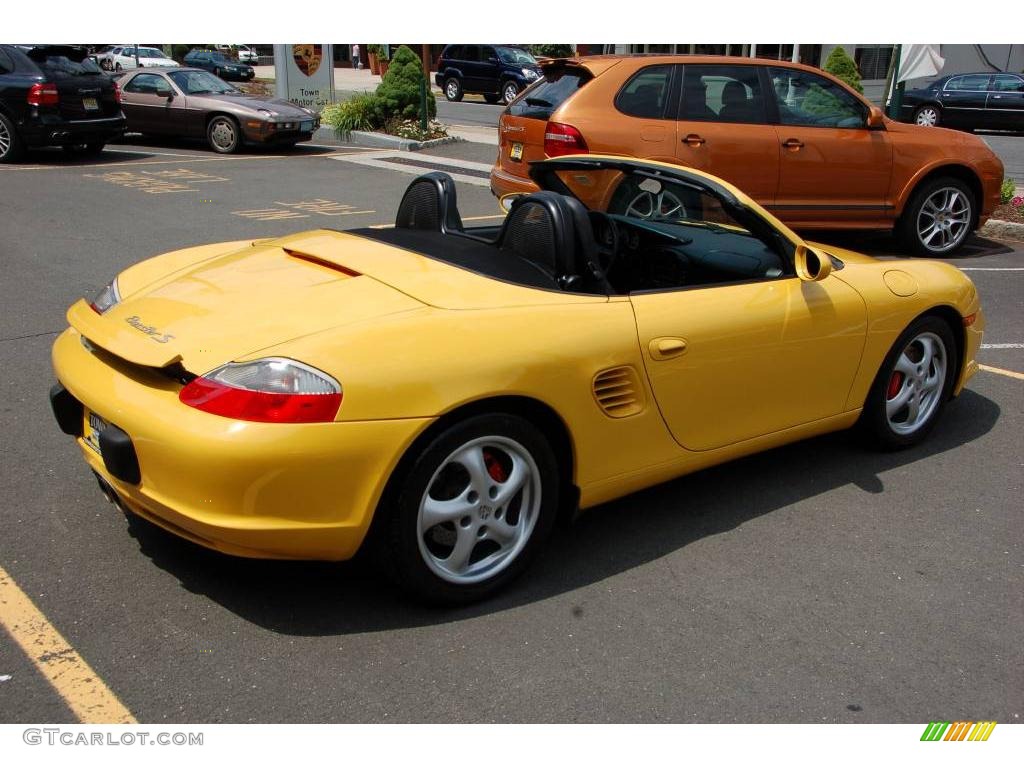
[606, 236]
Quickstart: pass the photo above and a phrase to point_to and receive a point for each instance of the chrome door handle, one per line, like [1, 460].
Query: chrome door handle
[694, 140]
[792, 144]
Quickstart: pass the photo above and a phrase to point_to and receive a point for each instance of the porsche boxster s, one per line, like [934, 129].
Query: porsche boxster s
[440, 394]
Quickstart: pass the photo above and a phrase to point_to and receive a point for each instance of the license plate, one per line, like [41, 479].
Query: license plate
[90, 104]
[307, 125]
[516, 153]
[91, 430]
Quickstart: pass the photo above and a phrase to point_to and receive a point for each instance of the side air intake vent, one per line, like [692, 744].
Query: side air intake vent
[618, 392]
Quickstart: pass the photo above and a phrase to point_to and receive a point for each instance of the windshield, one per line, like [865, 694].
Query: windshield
[195, 82]
[516, 56]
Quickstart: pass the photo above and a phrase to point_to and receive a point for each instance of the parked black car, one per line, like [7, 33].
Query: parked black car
[220, 65]
[973, 100]
[55, 95]
[499, 72]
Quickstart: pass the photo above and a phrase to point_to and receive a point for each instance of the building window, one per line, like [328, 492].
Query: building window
[873, 61]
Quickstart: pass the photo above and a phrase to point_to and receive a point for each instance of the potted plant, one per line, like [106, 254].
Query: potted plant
[373, 53]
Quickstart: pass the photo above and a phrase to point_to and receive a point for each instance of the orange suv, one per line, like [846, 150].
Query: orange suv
[799, 141]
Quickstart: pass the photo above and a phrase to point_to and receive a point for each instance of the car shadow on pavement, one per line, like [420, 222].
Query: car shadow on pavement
[56, 156]
[881, 244]
[318, 599]
[201, 149]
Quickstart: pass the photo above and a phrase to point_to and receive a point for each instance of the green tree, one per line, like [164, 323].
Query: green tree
[398, 95]
[842, 66]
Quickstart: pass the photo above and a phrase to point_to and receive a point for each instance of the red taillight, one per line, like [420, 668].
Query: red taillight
[248, 405]
[562, 139]
[43, 95]
[117, 92]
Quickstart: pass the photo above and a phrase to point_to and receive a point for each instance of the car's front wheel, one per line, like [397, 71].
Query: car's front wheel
[928, 115]
[471, 509]
[509, 91]
[223, 135]
[453, 89]
[11, 147]
[912, 386]
[938, 218]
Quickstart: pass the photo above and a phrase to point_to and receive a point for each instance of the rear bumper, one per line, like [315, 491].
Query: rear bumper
[51, 131]
[504, 183]
[292, 491]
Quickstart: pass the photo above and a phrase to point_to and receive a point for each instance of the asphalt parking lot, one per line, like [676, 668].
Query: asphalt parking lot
[814, 583]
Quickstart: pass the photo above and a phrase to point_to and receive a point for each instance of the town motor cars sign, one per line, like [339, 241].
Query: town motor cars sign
[304, 73]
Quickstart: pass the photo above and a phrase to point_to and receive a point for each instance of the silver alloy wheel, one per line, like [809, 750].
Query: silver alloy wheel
[648, 206]
[927, 116]
[944, 219]
[916, 384]
[222, 132]
[479, 510]
[510, 92]
[451, 89]
[5, 139]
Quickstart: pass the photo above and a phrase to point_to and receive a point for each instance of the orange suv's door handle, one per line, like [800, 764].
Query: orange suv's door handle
[694, 140]
[792, 143]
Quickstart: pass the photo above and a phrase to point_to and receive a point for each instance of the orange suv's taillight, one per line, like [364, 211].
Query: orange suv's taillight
[563, 139]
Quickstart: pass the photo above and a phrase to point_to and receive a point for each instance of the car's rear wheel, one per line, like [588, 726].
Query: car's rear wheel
[471, 509]
[11, 147]
[222, 133]
[912, 386]
[928, 115]
[453, 89]
[938, 218]
[509, 91]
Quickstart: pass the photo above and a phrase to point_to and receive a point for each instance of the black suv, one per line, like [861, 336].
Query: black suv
[55, 95]
[499, 72]
[220, 65]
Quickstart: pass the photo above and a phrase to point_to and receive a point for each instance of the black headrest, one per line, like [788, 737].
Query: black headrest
[430, 202]
[734, 93]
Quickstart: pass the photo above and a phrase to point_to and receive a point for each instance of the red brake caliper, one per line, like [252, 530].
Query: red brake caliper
[494, 468]
[894, 385]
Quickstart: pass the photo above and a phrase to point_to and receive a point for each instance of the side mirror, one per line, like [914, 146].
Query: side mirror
[876, 121]
[506, 201]
[811, 265]
[164, 92]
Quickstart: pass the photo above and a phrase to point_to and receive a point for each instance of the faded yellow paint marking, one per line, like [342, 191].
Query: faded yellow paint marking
[1002, 372]
[73, 679]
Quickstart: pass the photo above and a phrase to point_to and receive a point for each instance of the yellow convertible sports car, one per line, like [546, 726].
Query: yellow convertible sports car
[442, 394]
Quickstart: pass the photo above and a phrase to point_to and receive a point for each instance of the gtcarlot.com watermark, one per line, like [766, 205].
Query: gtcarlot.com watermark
[102, 738]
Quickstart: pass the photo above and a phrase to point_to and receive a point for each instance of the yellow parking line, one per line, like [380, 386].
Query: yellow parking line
[1002, 372]
[73, 679]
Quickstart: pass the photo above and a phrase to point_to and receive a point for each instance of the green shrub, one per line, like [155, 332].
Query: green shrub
[398, 95]
[359, 113]
[552, 50]
[1006, 191]
[842, 66]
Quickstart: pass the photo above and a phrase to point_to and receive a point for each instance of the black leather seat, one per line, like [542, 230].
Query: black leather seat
[553, 234]
[430, 203]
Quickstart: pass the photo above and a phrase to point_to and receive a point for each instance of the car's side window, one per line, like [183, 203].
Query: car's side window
[1008, 83]
[968, 83]
[487, 53]
[807, 99]
[471, 53]
[722, 94]
[645, 94]
[144, 83]
[6, 65]
[453, 52]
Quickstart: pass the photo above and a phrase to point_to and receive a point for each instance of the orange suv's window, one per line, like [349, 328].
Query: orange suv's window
[722, 94]
[646, 93]
[807, 99]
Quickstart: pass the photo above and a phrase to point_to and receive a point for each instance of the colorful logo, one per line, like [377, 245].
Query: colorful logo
[308, 57]
[961, 730]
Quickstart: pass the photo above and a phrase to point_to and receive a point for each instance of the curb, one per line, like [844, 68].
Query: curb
[1004, 230]
[384, 141]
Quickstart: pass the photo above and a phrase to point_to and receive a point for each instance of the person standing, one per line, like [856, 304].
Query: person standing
[356, 63]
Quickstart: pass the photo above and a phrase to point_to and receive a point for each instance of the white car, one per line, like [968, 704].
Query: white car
[123, 57]
[247, 54]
